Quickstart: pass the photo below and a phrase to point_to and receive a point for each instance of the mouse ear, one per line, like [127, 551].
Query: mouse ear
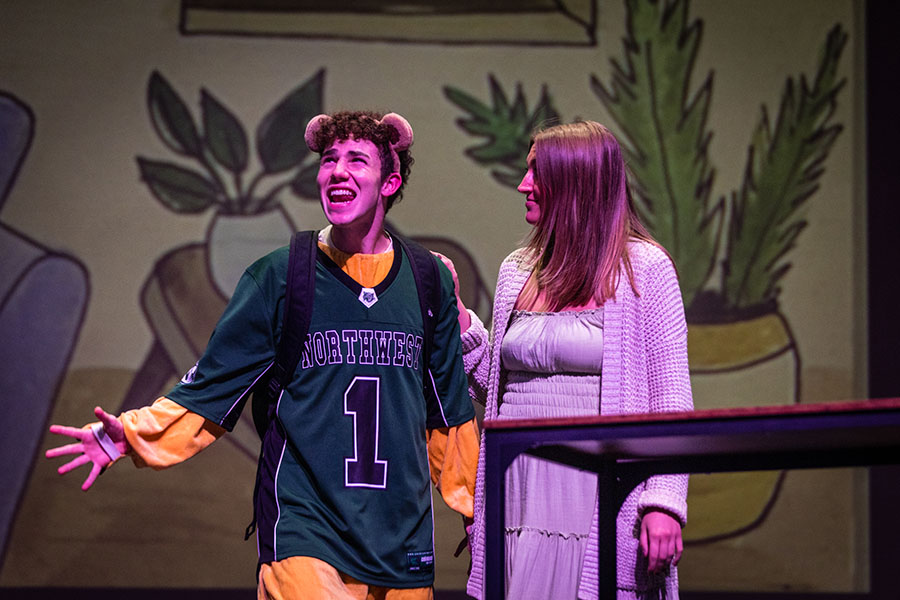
[403, 128]
[312, 128]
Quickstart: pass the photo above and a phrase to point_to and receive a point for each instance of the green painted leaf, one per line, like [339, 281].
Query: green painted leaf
[224, 134]
[507, 127]
[305, 184]
[179, 189]
[662, 126]
[171, 118]
[784, 164]
[279, 137]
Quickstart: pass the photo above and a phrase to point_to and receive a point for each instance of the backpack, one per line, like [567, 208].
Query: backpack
[299, 294]
[298, 302]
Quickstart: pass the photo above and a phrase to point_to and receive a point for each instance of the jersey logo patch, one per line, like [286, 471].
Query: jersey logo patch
[368, 297]
[420, 562]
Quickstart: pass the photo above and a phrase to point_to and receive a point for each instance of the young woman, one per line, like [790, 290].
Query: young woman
[587, 319]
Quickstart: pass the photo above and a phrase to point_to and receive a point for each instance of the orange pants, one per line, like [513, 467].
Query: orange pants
[307, 578]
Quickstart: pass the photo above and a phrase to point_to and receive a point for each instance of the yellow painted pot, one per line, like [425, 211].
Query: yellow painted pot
[743, 363]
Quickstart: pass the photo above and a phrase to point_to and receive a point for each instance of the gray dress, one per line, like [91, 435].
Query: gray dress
[552, 361]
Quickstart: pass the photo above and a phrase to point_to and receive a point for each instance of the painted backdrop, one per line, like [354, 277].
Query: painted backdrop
[151, 150]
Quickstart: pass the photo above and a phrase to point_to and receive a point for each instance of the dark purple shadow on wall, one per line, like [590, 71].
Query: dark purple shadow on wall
[43, 298]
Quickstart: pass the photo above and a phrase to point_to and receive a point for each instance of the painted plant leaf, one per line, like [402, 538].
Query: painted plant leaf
[179, 189]
[171, 118]
[784, 165]
[662, 125]
[305, 184]
[223, 152]
[225, 136]
[507, 127]
[279, 137]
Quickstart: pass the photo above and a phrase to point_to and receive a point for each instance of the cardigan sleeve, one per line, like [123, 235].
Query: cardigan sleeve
[665, 339]
[476, 358]
[480, 347]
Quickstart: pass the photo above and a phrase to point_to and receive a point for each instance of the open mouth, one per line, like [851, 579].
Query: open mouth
[341, 195]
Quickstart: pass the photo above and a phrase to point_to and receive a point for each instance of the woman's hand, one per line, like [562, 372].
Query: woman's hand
[90, 446]
[464, 319]
[660, 540]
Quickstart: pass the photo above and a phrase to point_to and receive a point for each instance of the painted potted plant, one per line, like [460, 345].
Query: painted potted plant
[216, 173]
[731, 253]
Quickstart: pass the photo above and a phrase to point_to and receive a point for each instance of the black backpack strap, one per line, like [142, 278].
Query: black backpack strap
[299, 291]
[298, 302]
[428, 285]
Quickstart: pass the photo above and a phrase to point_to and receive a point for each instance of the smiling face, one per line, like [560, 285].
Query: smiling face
[530, 189]
[351, 187]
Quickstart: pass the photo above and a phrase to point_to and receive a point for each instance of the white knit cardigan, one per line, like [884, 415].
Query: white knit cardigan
[645, 370]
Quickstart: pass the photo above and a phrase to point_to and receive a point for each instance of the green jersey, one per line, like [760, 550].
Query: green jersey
[343, 474]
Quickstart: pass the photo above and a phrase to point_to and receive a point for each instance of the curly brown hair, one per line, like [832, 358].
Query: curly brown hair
[366, 125]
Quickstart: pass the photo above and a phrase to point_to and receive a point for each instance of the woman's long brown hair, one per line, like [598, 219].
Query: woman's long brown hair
[587, 217]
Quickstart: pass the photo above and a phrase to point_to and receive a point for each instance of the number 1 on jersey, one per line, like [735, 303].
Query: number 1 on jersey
[362, 401]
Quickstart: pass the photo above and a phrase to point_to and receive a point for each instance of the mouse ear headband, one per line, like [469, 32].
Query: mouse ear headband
[399, 124]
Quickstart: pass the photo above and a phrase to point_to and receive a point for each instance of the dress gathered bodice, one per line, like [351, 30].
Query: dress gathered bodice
[554, 342]
[552, 362]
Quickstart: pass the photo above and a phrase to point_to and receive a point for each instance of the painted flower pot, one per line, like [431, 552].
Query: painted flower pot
[753, 362]
[234, 242]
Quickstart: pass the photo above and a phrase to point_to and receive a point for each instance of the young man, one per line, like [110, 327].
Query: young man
[342, 502]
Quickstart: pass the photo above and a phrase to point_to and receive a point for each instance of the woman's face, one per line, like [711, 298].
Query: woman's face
[530, 189]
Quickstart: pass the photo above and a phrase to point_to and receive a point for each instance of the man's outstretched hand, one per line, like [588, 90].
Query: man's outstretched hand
[89, 446]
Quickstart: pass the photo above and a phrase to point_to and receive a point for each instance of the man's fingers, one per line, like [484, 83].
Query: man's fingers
[105, 418]
[73, 464]
[449, 264]
[92, 477]
[62, 450]
[74, 432]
